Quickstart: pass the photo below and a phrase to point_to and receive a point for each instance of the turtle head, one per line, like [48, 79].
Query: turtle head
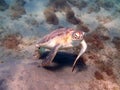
[78, 35]
[78, 39]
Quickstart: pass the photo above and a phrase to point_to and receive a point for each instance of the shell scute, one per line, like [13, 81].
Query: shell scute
[57, 33]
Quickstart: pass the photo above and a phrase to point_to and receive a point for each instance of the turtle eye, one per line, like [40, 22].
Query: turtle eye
[77, 36]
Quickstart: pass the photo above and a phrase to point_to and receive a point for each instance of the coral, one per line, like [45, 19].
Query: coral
[3, 5]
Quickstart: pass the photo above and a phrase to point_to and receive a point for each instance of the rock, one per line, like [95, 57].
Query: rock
[3, 5]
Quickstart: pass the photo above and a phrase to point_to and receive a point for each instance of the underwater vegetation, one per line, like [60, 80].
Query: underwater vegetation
[62, 6]
[23, 22]
[11, 41]
[51, 17]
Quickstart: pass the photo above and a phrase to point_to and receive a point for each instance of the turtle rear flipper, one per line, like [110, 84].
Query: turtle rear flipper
[51, 56]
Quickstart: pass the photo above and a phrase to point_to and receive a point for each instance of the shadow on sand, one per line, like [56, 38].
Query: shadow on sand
[62, 60]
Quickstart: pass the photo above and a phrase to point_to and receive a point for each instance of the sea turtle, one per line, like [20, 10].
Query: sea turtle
[61, 38]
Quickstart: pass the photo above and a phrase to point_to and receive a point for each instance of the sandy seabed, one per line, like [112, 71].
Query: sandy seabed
[23, 23]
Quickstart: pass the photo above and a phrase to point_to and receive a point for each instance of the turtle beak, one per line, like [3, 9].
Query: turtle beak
[83, 49]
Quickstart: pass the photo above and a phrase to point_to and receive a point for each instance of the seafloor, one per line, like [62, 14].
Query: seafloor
[24, 22]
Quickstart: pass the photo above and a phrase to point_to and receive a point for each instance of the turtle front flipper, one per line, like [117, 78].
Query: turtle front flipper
[84, 47]
[51, 56]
